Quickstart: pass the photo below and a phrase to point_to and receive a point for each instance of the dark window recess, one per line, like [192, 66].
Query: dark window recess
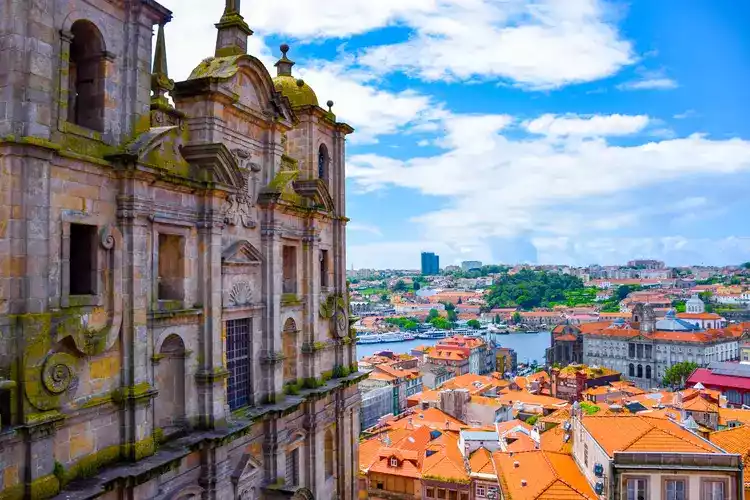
[5, 412]
[289, 272]
[86, 77]
[171, 267]
[238, 362]
[324, 268]
[292, 467]
[82, 268]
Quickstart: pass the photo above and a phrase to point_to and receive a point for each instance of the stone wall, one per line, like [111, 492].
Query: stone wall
[126, 252]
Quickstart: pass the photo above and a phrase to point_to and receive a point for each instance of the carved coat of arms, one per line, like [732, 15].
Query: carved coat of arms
[238, 207]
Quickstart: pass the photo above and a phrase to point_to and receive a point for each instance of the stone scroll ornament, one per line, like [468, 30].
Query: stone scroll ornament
[237, 208]
[333, 308]
[50, 377]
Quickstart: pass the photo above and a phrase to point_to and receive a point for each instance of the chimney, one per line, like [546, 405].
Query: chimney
[516, 464]
[523, 482]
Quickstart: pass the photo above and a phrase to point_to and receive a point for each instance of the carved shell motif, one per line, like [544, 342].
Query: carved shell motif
[240, 294]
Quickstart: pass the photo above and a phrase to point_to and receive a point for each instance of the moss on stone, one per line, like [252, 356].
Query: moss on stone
[298, 95]
[139, 450]
[40, 489]
[137, 391]
[88, 466]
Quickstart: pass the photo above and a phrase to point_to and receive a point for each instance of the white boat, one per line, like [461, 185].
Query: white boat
[391, 337]
[370, 338]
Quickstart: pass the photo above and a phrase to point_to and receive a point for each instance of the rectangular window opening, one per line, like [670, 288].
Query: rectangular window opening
[171, 267]
[82, 259]
[292, 467]
[324, 268]
[289, 259]
[5, 411]
[238, 362]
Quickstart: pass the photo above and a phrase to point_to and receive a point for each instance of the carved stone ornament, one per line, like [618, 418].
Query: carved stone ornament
[241, 294]
[58, 374]
[341, 326]
[237, 208]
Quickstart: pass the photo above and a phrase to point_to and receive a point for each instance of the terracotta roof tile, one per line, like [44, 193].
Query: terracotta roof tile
[737, 441]
[541, 475]
[480, 462]
[727, 415]
[625, 432]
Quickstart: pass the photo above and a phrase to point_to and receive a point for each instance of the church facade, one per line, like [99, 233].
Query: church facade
[174, 318]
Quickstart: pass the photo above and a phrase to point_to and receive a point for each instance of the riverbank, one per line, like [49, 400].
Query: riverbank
[528, 346]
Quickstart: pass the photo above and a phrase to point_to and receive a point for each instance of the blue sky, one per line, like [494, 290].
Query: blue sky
[544, 131]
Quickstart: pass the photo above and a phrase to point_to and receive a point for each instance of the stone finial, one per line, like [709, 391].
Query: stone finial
[160, 82]
[233, 31]
[330, 106]
[284, 65]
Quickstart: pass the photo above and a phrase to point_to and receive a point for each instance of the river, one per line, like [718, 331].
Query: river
[528, 346]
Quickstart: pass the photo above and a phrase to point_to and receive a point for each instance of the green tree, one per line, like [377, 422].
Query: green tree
[677, 374]
[622, 292]
[497, 319]
[417, 286]
[452, 316]
[532, 419]
[516, 317]
[432, 314]
[472, 323]
[440, 323]
[459, 300]
[746, 265]
[400, 286]
[384, 296]
[528, 289]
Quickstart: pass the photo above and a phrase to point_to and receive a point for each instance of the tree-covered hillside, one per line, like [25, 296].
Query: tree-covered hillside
[528, 289]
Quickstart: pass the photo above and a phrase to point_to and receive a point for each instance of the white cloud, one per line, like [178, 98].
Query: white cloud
[495, 186]
[541, 44]
[587, 126]
[366, 228]
[690, 113]
[674, 250]
[358, 100]
[650, 80]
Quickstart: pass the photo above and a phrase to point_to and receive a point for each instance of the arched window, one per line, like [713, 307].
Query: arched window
[169, 407]
[329, 453]
[640, 371]
[289, 346]
[323, 162]
[631, 370]
[648, 371]
[86, 76]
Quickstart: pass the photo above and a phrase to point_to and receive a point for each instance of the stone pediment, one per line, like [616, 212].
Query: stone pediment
[281, 187]
[214, 163]
[241, 253]
[246, 469]
[160, 147]
[317, 191]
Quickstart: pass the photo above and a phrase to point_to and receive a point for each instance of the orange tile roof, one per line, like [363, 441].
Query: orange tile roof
[532, 399]
[698, 316]
[480, 462]
[447, 462]
[541, 475]
[700, 404]
[431, 417]
[557, 416]
[446, 355]
[727, 415]
[625, 432]
[554, 440]
[736, 440]
[566, 338]
[521, 442]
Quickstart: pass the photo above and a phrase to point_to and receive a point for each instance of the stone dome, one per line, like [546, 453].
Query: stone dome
[297, 91]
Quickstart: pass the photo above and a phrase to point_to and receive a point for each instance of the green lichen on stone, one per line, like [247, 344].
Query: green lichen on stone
[95, 401]
[137, 391]
[340, 371]
[139, 450]
[298, 95]
[217, 67]
[88, 466]
[39, 489]
[290, 299]
[326, 376]
[159, 437]
[293, 388]
[353, 368]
